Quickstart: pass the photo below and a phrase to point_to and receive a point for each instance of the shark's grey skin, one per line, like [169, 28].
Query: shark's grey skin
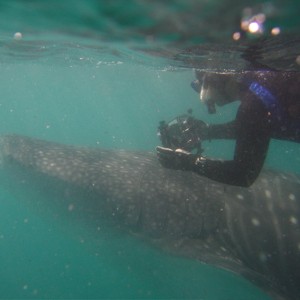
[251, 231]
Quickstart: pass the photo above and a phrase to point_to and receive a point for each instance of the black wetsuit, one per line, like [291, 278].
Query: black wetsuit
[270, 108]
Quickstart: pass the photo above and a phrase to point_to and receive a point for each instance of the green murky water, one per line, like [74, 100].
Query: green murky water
[74, 78]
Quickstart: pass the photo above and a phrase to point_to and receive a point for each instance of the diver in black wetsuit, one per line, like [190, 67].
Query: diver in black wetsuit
[270, 108]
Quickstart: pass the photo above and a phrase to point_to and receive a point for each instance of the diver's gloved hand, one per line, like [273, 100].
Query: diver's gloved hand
[176, 159]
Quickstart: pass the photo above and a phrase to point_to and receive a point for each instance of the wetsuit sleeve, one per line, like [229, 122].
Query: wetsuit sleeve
[252, 132]
[221, 131]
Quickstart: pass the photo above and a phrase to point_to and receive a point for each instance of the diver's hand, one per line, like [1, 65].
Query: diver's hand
[176, 159]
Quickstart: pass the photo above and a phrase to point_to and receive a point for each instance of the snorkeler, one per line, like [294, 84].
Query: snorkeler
[270, 108]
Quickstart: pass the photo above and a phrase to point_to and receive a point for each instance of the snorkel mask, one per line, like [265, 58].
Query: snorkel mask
[203, 90]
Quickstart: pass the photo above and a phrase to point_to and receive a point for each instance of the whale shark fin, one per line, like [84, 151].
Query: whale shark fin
[208, 251]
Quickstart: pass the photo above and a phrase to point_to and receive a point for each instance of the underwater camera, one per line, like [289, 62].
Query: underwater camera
[181, 132]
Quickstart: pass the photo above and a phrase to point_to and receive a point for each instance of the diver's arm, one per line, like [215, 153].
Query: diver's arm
[233, 172]
[253, 136]
[214, 131]
[221, 131]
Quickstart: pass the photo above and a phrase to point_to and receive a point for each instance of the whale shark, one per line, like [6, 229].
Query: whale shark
[253, 231]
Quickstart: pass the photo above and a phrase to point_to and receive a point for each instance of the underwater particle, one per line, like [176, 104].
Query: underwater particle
[35, 292]
[18, 36]
[275, 31]
[236, 36]
[298, 60]
[71, 207]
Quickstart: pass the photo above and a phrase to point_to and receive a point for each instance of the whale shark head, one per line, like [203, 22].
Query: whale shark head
[250, 231]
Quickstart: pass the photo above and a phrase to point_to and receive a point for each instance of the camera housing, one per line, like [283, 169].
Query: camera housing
[181, 132]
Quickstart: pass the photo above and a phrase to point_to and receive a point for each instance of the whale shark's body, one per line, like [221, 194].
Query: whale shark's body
[251, 231]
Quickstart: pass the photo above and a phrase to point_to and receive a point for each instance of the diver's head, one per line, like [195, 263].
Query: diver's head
[215, 88]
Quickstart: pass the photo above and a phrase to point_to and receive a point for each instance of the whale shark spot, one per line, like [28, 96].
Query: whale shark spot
[268, 193]
[293, 220]
[255, 221]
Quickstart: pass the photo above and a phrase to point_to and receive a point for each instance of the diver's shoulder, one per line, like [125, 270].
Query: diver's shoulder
[274, 78]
